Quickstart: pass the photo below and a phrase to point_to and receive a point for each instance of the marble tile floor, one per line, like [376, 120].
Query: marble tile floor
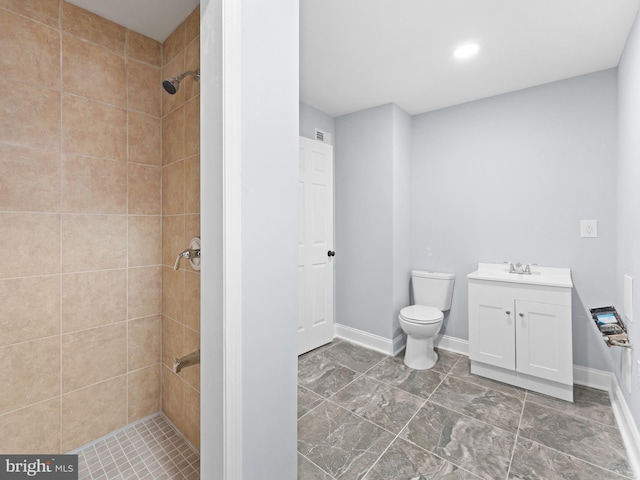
[151, 449]
[366, 416]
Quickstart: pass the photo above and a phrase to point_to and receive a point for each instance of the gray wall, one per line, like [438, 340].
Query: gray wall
[401, 214]
[269, 238]
[311, 118]
[212, 336]
[363, 219]
[508, 179]
[628, 261]
[373, 168]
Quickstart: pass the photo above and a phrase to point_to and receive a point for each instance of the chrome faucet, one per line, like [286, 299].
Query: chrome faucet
[187, 253]
[519, 268]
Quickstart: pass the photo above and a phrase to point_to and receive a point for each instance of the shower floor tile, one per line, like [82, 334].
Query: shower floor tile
[151, 450]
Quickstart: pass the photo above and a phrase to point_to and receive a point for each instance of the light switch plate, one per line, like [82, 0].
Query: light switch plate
[588, 228]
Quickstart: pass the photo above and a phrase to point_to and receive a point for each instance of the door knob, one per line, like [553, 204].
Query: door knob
[331, 253]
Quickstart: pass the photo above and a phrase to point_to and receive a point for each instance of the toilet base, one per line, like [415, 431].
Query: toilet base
[419, 353]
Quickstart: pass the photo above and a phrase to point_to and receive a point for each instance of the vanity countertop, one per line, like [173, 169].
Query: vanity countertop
[547, 276]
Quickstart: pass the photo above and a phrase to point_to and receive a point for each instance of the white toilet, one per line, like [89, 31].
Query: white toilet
[421, 322]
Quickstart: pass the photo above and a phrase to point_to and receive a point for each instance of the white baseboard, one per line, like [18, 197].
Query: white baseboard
[627, 425]
[395, 346]
[369, 340]
[590, 377]
[452, 344]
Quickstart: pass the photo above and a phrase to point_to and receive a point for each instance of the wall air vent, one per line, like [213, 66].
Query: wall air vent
[324, 137]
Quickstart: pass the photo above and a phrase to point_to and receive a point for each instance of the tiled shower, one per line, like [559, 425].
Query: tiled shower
[99, 192]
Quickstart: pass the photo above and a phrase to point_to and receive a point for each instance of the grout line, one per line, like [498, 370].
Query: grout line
[515, 442]
[60, 225]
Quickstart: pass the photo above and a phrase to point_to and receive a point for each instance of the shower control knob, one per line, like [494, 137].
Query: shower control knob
[331, 253]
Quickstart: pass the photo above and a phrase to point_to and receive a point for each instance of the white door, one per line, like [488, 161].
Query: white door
[315, 245]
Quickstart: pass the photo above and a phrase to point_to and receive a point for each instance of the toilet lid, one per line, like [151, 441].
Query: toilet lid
[421, 314]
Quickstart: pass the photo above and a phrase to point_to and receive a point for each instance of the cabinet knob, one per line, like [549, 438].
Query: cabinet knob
[521, 314]
[508, 312]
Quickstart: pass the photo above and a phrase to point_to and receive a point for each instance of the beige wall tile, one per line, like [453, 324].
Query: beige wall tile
[92, 71]
[192, 300]
[192, 24]
[172, 341]
[29, 309]
[145, 342]
[144, 49]
[191, 374]
[173, 135]
[145, 291]
[34, 242]
[173, 188]
[173, 292]
[144, 392]
[145, 87]
[31, 179]
[191, 416]
[172, 397]
[93, 185]
[29, 115]
[94, 355]
[174, 44]
[93, 299]
[173, 240]
[29, 373]
[92, 412]
[192, 184]
[172, 69]
[93, 129]
[92, 27]
[30, 51]
[93, 242]
[145, 190]
[145, 241]
[191, 227]
[32, 430]
[192, 127]
[192, 62]
[45, 11]
[145, 139]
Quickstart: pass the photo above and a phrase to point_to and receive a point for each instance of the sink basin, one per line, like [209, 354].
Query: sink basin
[499, 272]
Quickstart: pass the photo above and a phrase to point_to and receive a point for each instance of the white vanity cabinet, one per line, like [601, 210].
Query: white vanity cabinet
[520, 328]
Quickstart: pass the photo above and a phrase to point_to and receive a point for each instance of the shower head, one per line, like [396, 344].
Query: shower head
[171, 84]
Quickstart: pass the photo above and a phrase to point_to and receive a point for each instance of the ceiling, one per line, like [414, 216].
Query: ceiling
[356, 54]
[153, 18]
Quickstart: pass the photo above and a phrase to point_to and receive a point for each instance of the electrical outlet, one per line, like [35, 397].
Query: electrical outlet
[588, 228]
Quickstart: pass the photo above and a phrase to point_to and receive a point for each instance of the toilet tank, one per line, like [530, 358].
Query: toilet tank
[432, 288]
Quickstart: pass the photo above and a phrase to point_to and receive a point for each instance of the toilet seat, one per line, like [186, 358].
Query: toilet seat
[421, 314]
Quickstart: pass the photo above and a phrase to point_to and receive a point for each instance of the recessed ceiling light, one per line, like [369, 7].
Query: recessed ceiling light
[466, 51]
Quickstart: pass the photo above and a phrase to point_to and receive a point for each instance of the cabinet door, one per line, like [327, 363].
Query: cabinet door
[492, 330]
[544, 344]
